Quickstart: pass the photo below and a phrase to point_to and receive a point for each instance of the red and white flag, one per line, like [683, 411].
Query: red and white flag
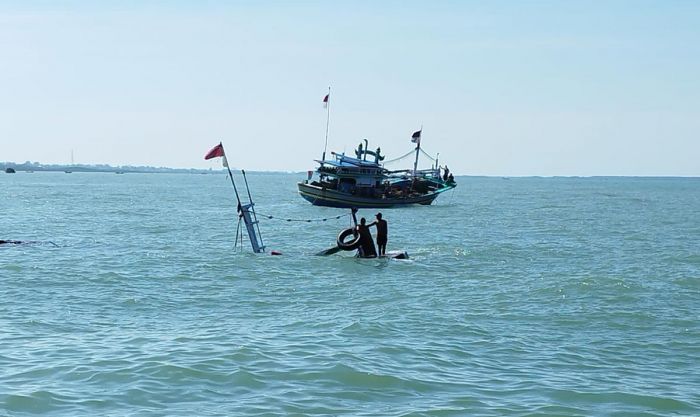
[326, 99]
[217, 151]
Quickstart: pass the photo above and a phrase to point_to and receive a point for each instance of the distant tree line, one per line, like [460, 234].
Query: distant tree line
[36, 166]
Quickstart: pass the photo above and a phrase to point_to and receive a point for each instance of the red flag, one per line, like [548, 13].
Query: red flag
[325, 100]
[215, 152]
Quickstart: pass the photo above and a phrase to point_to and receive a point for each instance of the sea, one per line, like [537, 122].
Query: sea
[522, 297]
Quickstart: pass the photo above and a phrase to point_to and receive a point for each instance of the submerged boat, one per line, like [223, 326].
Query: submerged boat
[364, 182]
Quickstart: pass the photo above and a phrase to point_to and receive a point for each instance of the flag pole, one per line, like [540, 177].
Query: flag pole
[328, 120]
[415, 164]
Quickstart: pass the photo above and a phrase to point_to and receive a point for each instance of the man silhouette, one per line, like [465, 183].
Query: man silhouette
[382, 233]
[366, 248]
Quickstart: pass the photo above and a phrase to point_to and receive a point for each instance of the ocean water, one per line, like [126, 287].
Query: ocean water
[522, 297]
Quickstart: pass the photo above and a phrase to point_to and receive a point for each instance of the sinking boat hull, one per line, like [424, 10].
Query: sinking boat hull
[395, 254]
[320, 196]
[392, 254]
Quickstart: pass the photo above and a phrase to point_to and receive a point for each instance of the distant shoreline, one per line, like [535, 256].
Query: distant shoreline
[38, 167]
[125, 169]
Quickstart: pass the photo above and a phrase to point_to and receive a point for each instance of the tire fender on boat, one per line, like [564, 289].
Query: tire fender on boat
[352, 244]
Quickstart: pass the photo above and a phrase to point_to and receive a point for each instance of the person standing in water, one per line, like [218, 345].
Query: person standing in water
[382, 233]
[366, 248]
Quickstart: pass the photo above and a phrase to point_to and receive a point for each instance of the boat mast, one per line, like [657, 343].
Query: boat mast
[246, 210]
[327, 104]
[416, 138]
[415, 164]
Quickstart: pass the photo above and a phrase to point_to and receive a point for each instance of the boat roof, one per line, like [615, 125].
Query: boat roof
[347, 161]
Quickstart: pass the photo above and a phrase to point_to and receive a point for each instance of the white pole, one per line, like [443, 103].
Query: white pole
[328, 120]
[415, 164]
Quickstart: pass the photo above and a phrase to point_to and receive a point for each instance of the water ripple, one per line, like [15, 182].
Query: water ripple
[528, 297]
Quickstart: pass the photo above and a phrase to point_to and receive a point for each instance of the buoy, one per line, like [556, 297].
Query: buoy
[274, 252]
[352, 244]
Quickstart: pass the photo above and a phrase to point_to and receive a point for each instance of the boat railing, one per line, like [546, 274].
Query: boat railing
[327, 169]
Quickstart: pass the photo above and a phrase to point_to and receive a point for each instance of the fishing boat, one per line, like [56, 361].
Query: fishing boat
[363, 181]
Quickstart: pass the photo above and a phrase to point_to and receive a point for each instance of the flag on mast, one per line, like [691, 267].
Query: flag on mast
[325, 100]
[415, 137]
[217, 151]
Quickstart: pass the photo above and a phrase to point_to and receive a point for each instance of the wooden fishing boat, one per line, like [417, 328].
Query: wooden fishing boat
[363, 181]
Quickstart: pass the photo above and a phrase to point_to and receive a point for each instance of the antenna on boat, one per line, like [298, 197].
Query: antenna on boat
[327, 105]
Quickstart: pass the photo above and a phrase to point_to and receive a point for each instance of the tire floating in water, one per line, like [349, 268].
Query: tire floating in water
[352, 244]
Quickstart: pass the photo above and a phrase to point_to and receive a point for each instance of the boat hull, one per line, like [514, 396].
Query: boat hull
[319, 196]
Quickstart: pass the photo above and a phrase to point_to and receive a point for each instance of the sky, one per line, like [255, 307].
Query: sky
[503, 88]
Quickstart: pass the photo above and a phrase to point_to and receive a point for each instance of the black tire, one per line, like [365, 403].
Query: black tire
[351, 244]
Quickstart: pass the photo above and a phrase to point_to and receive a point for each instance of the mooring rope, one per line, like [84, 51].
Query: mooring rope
[302, 220]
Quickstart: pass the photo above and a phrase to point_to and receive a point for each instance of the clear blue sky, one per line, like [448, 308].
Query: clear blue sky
[501, 88]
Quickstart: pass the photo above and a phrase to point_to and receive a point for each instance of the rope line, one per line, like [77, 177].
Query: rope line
[400, 157]
[427, 155]
[303, 220]
[409, 153]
